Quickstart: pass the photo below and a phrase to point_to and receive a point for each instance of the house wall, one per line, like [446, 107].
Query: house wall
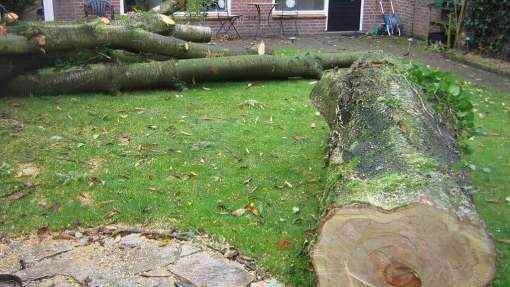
[414, 14]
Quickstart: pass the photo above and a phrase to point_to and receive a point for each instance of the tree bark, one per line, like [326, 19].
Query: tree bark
[199, 34]
[151, 22]
[173, 74]
[399, 214]
[62, 37]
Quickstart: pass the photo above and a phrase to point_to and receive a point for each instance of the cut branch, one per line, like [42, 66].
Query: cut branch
[55, 38]
[399, 214]
[151, 22]
[113, 78]
[199, 34]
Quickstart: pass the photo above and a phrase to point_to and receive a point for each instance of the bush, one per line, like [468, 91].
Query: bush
[489, 22]
[16, 6]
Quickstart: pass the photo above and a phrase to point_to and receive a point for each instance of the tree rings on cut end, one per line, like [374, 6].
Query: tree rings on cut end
[414, 246]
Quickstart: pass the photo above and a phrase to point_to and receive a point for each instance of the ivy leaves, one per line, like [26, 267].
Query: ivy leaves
[450, 97]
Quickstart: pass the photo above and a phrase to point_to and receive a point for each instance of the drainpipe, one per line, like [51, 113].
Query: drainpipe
[49, 15]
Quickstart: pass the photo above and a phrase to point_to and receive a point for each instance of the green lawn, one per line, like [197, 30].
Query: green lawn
[186, 158]
[191, 158]
[490, 159]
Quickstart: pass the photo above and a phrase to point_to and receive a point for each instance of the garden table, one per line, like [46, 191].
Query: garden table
[257, 6]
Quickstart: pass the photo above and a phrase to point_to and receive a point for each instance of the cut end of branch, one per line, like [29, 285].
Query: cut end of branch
[413, 246]
[42, 41]
[11, 18]
[167, 20]
[104, 20]
[261, 48]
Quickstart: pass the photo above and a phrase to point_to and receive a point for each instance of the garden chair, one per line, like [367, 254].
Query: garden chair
[99, 8]
[228, 21]
[288, 10]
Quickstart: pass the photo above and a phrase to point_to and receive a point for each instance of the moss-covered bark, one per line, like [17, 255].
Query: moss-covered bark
[108, 78]
[391, 177]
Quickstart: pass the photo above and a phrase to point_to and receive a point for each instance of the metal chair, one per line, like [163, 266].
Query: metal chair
[99, 8]
[288, 10]
[227, 21]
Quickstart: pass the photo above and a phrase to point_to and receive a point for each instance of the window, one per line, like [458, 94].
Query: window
[300, 5]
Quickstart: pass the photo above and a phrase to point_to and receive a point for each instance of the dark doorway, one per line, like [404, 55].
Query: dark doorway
[344, 15]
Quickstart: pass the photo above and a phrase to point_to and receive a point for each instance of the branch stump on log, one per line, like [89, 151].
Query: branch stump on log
[399, 214]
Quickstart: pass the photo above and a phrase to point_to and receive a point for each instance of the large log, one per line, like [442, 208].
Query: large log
[63, 37]
[172, 74]
[151, 22]
[398, 214]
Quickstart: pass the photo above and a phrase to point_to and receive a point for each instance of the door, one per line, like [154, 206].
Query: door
[344, 15]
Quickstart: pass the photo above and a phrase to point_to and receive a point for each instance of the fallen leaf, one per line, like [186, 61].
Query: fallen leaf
[248, 180]
[55, 208]
[27, 169]
[313, 125]
[16, 195]
[43, 230]
[125, 139]
[86, 199]
[152, 127]
[111, 214]
[288, 184]
[252, 209]
[231, 253]
[283, 244]
[95, 181]
[63, 236]
[240, 212]
[295, 209]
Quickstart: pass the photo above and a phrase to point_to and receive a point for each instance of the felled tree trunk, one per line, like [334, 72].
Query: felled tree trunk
[199, 34]
[55, 38]
[399, 214]
[172, 74]
[151, 22]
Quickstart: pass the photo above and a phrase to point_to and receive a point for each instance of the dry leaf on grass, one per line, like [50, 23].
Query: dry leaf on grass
[86, 199]
[27, 169]
[283, 244]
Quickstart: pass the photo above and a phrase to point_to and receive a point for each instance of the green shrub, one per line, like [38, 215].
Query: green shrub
[16, 6]
[489, 22]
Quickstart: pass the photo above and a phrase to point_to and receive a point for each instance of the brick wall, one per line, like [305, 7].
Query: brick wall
[414, 14]
[247, 25]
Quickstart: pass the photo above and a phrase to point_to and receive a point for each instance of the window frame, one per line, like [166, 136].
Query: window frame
[323, 12]
[211, 14]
